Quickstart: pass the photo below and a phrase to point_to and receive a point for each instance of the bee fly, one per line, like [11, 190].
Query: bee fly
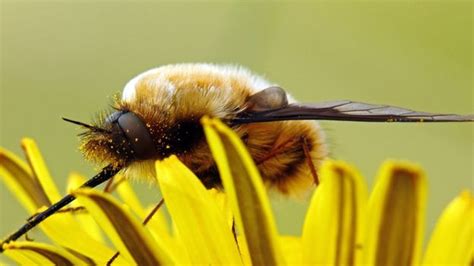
[159, 115]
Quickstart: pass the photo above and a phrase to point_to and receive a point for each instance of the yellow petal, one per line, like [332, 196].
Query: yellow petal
[127, 234]
[452, 241]
[246, 193]
[396, 214]
[200, 224]
[158, 224]
[221, 200]
[40, 171]
[61, 227]
[74, 182]
[244, 250]
[293, 247]
[128, 196]
[332, 232]
[86, 221]
[31, 253]
[18, 178]
[158, 227]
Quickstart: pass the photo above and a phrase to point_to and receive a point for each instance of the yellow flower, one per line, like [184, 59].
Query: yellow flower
[343, 225]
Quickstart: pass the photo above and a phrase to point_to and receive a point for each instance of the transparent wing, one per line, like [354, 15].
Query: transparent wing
[347, 111]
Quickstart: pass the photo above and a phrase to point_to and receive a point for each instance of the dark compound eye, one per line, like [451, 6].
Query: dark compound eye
[137, 135]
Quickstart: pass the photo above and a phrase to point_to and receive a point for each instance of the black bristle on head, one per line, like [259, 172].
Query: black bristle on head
[90, 127]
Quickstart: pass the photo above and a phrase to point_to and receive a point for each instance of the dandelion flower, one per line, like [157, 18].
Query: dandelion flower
[344, 225]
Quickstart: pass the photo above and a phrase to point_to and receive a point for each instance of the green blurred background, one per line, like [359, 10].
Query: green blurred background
[67, 59]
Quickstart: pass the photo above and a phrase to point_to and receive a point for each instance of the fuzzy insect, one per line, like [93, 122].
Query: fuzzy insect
[159, 114]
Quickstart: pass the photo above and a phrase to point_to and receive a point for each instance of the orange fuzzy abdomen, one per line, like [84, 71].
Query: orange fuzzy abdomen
[277, 149]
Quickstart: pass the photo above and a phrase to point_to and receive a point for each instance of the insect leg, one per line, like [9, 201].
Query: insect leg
[277, 150]
[63, 210]
[145, 221]
[72, 209]
[107, 188]
[27, 238]
[309, 161]
[112, 185]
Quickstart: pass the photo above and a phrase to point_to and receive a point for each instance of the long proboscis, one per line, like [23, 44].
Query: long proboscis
[104, 175]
